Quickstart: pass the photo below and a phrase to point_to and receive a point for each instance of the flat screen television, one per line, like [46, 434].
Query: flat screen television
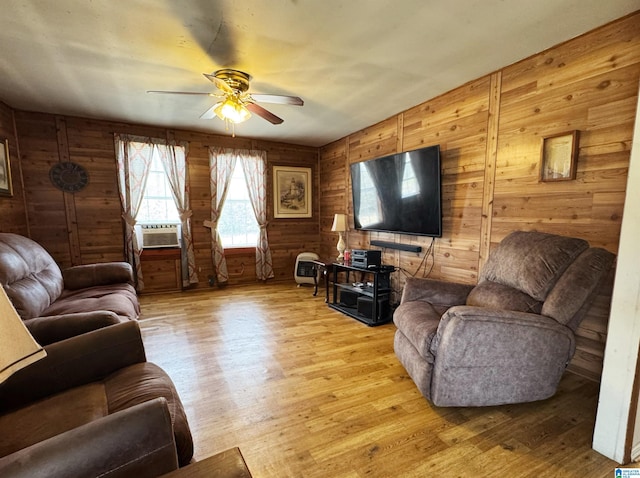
[399, 193]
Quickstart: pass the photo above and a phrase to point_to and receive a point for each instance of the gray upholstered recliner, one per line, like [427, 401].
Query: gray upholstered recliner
[509, 338]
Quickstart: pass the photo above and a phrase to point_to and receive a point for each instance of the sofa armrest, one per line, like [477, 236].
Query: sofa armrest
[75, 361]
[489, 356]
[54, 328]
[91, 275]
[138, 442]
[510, 334]
[436, 292]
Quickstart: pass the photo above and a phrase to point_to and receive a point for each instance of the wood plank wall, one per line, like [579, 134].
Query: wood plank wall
[86, 227]
[490, 131]
[12, 209]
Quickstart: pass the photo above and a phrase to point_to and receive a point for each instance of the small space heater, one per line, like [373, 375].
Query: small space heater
[304, 270]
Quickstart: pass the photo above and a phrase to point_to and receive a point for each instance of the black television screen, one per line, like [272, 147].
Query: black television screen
[399, 193]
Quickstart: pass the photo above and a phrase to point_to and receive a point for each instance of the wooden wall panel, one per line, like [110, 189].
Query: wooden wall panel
[458, 122]
[290, 237]
[12, 209]
[96, 209]
[99, 236]
[490, 132]
[38, 138]
[378, 140]
[590, 85]
[334, 178]
[497, 121]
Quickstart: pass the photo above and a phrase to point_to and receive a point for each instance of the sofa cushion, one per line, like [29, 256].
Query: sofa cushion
[531, 261]
[499, 296]
[118, 298]
[98, 274]
[574, 292]
[29, 275]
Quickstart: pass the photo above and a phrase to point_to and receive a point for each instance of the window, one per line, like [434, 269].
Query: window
[410, 186]
[237, 225]
[158, 206]
[370, 211]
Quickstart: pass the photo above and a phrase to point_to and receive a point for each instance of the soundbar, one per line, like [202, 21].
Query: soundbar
[396, 245]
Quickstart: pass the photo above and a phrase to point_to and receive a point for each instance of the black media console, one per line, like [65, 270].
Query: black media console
[363, 293]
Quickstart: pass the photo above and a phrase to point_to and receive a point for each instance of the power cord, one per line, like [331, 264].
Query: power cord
[423, 263]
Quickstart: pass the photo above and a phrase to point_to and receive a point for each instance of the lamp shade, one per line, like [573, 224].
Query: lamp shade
[339, 223]
[232, 109]
[18, 349]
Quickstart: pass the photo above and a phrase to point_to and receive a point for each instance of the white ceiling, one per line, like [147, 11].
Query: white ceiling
[354, 62]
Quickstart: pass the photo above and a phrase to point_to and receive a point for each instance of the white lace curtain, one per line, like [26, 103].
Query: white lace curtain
[133, 156]
[222, 162]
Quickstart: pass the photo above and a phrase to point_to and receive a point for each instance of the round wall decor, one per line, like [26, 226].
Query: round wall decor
[68, 177]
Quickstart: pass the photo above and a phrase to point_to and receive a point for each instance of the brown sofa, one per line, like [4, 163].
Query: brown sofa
[93, 407]
[56, 304]
[509, 338]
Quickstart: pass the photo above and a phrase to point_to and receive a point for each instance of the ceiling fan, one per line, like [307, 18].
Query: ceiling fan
[235, 103]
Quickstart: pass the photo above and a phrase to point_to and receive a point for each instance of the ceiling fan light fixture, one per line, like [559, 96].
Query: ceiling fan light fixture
[232, 110]
[236, 104]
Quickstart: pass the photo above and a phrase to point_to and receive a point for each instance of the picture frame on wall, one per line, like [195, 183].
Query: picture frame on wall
[6, 187]
[559, 157]
[291, 192]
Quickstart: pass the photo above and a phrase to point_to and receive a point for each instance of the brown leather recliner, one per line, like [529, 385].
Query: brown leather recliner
[93, 405]
[509, 338]
[57, 304]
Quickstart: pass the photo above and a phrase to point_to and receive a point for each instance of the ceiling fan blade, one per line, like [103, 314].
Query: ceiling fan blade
[220, 84]
[260, 111]
[210, 113]
[278, 99]
[180, 93]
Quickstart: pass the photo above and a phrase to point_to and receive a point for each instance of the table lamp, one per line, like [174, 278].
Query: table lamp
[18, 349]
[340, 226]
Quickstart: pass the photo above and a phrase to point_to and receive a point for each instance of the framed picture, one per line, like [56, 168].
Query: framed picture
[291, 192]
[6, 188]
[559, 157]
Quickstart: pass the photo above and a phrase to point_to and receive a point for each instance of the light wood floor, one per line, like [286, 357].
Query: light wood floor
[305, 391]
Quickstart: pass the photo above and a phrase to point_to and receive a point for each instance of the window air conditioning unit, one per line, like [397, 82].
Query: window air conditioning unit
[160, 235]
